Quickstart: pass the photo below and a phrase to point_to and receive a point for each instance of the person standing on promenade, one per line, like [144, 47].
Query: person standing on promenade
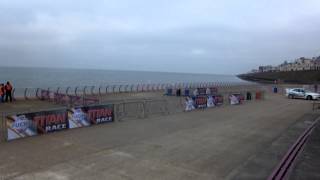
[8, 88]
[2, 92]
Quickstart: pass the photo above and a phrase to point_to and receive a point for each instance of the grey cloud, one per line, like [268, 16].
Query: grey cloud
[141, 35]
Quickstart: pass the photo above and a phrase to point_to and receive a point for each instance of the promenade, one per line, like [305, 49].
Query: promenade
[230, 142]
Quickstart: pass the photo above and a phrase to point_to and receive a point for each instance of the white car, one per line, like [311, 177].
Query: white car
[302, 93]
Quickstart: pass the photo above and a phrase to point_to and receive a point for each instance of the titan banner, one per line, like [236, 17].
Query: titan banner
[236, 98]
[85, 116]
[201, 101]
[31, 124]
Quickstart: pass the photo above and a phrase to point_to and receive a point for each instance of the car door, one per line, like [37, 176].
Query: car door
[300, 93]
[295, 93]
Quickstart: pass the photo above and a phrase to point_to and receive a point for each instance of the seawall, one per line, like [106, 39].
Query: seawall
[297, 77]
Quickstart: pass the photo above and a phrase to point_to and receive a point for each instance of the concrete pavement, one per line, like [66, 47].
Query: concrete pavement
[220, 143]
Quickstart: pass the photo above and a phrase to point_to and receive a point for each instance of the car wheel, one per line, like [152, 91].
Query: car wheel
[309, 97]
[290, 96]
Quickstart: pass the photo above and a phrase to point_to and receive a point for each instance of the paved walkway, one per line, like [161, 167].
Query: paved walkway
[308, 163]
[218, 143]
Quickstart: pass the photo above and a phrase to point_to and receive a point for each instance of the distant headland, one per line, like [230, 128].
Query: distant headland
[300, 71]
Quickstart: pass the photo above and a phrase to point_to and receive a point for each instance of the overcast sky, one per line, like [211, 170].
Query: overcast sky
[199, 36]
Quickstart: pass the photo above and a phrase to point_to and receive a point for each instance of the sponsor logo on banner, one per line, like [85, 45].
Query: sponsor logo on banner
[78, 118]
[210, 102]
[202, 91]
[30, 124]
[218, 99]
[236, 99]
[189, 104]
[214, 100]
[49, 122]
[100, 115]
[85, 116]
[201, 101]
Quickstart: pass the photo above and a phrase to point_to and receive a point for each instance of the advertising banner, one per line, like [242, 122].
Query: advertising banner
[218, 99]
[214, 100]
[236, 99]
[201, 101]
[202, 91]
[30, 124]
[214, 90]
[85, 116]
[189, 104]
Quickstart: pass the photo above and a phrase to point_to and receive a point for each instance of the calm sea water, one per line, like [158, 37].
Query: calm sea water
[47, 77]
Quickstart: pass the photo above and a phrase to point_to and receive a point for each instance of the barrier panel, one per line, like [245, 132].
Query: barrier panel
[258, 95]
[88, 115]
[203, 101]
[169, 92]
[200, 102]
[129, 110]
[218, 100]
[156, 107]
[23, 125]
[186, 92]
[35, 123]
[202, 91]
[236, 98]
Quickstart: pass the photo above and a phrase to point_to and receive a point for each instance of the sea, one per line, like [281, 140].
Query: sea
[23, 77]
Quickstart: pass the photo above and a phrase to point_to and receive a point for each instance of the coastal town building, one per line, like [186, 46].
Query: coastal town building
[317, 63]
[301, 64]
[265, 68]
[254, 71]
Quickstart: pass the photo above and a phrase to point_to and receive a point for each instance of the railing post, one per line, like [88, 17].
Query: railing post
[92, 88]
[84, 90]
[126, 88]
[25, 93]
[113, 88]
[67, 90]
[99, 90]
[58, 89]
[13, 94]
[75, 91]
[37, 91]
[119, 89]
